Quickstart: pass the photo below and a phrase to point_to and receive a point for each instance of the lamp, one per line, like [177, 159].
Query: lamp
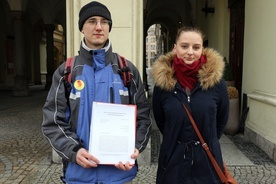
[207, 9]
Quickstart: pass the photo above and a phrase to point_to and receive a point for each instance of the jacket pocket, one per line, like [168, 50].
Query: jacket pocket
[76, 173]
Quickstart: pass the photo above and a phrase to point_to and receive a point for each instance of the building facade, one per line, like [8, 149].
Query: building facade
[36, 36]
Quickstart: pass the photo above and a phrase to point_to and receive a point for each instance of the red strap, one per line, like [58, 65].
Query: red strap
[206, 148]
[68, 69]
[123, 64]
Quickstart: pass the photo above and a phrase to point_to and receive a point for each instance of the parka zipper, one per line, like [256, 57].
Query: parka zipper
[188, 93]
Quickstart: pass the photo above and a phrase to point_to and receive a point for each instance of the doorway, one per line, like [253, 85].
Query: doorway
[237, 12]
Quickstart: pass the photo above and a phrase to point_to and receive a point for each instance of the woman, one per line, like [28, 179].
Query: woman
[191, 75]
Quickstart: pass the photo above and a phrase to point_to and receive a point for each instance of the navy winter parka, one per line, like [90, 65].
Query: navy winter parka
[182, 159]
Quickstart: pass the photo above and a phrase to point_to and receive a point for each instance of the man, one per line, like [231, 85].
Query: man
[95, 77]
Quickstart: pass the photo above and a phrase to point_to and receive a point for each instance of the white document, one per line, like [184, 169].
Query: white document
[112, 132]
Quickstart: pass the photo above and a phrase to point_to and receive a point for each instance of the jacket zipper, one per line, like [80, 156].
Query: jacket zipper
[188, 93]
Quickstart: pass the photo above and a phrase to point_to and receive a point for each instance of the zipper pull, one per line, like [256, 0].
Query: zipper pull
[188, 93]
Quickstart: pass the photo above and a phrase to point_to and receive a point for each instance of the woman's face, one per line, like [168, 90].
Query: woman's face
[189, 47]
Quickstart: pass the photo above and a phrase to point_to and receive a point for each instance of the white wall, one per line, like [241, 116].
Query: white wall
[259, 73]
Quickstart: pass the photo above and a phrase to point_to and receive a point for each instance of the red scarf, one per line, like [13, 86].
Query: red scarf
[187, 75]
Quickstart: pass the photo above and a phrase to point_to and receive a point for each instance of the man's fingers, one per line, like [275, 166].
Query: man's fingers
[86, 160]
[88, 164]
[128, 166]
[135, 154]
[125, 167]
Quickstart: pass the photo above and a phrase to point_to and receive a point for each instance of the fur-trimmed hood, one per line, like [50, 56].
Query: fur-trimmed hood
[209, 75]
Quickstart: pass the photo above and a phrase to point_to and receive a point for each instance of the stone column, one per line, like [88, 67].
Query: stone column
[49, 28]
[37, 73]
[20, 81]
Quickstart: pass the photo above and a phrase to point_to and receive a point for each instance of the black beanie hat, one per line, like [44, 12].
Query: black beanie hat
[94, 8]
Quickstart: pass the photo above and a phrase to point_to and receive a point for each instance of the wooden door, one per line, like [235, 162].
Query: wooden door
[236, 40]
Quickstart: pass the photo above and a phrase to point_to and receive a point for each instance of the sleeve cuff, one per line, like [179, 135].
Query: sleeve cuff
[76, 148]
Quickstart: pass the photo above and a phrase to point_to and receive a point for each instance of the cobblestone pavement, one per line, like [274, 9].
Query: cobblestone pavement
[25, 155]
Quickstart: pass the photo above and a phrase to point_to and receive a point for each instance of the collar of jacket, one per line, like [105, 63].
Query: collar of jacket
[106, 47]
[209, 75]
[87, 55]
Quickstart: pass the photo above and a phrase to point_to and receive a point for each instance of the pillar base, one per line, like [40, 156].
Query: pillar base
[55, 157]
[21, 86]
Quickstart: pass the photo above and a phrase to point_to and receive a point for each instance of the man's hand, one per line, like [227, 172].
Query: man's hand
[127, 166]
[86, 160]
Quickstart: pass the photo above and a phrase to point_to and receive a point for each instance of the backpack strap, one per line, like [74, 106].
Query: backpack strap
[124, 71]
[68, 69]
[67, 75]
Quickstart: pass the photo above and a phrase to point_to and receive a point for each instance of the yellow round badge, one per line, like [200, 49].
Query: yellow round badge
[79, 84]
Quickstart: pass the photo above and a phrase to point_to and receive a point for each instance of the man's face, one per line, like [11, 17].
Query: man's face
[96, 32]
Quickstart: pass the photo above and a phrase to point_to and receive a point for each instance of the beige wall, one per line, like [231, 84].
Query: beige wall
[259, 49]
[259, 73]
[216, 25]
[219, 27]
[127, 30]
